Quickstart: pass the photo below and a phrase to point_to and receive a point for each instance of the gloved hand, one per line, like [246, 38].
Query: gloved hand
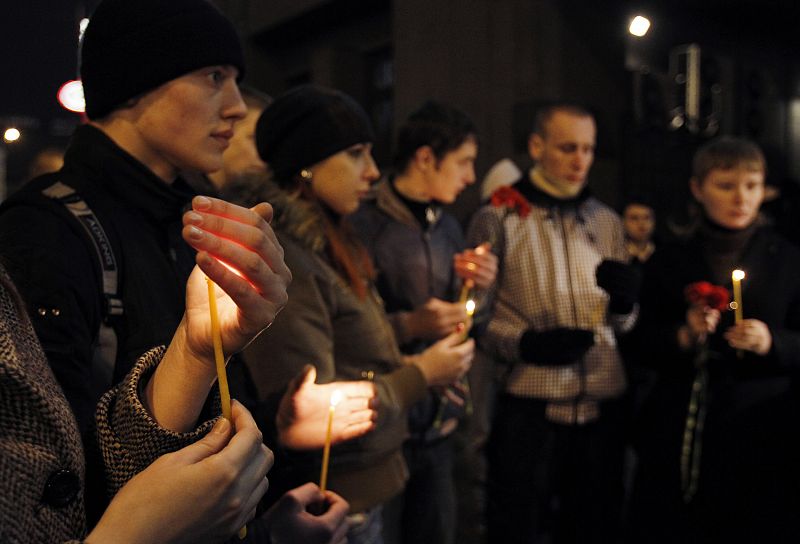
[555, 347]
[622, 282]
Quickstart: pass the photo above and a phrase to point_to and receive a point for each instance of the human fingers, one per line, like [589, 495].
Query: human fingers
[367, 403]
[453, 398]
[211, 443]
[461, 355]
[245, 249]
[256, 216]
[222, 227]
[336, 516]
[265, 210]
[453, 312]
[712, 317]
[739, 342]
[256, 305]
[358, 389]
[306, 377]
[308, 493]
[235, 223]
[485, 247]
[357, 408]
[246, 447]
[751, 335]
[357, 419]
[465, 266]
[454, 338]
[250, 505]
[354, 430]
[483, 259]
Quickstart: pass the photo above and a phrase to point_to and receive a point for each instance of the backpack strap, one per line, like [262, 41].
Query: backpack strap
[78, 207]
[104, 357]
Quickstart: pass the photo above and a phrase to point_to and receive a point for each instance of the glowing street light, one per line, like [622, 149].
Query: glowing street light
[70, 96]
[639, 26]
[11, 135]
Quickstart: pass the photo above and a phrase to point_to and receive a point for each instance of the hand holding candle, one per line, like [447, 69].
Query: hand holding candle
[470, 307]
[463, 382]
[433, 320]
[238, 251]
[746, 334]
[336, 397]
[477, 266]
[247, 302]
[304, 408]
[736, 277]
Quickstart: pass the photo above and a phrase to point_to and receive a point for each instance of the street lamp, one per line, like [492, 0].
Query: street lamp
[639, 26]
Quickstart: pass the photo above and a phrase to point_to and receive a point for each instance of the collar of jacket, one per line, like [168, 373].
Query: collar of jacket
[539, 198]
[301, 219]
[93, 155]
[387, 200]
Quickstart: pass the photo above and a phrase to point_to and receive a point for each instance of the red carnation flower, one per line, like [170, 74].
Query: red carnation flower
[702, 293]
[508, 197]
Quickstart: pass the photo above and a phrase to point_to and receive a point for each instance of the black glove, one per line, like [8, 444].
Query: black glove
[622, 282]
[555, 347]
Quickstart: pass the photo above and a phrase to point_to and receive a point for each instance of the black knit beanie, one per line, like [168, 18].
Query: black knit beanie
[133, 46]
[306, 125]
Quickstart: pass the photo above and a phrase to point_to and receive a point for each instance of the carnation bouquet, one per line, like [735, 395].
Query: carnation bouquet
[704, 294]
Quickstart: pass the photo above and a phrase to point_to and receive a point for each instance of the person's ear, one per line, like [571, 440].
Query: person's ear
[535, 146]
[694, 186]
[424, 158]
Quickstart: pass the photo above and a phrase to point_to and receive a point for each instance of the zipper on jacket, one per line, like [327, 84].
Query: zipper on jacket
[581, 361]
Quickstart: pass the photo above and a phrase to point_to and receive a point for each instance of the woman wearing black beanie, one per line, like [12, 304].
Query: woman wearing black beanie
[317, 143]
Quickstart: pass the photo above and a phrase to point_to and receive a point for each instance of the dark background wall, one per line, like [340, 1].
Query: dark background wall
[497, 60]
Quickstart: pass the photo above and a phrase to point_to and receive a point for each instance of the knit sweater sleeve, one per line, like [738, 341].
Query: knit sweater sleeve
[128, 437]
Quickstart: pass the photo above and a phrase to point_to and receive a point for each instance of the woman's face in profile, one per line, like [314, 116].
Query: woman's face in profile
[342, 180]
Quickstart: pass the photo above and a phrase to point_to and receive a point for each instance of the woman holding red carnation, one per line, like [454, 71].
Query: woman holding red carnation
[717, 437]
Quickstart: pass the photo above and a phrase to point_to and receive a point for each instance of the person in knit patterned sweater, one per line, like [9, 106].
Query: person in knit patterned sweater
[563, 291]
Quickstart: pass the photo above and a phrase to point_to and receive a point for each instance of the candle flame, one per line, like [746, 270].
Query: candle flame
[336, 397]
[470, 307]
[738, 274]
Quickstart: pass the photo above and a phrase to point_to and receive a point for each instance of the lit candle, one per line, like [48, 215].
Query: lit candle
[464, 380]
[219, 359]
[444, 400]
[336, 398]
[470, 307]
[737, 276]
[466, 287]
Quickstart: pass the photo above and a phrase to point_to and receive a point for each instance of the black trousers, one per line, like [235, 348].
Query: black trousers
[426, 510]
[553, 483]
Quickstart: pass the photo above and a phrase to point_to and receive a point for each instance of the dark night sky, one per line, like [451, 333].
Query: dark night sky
[39, 51]
[39, 54]
[40, 43]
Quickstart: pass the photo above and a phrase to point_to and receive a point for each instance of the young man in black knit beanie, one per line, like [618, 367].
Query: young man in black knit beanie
[160, 81]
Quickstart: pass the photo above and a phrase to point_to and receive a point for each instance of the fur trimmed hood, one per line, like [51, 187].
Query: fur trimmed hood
[301, 219]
